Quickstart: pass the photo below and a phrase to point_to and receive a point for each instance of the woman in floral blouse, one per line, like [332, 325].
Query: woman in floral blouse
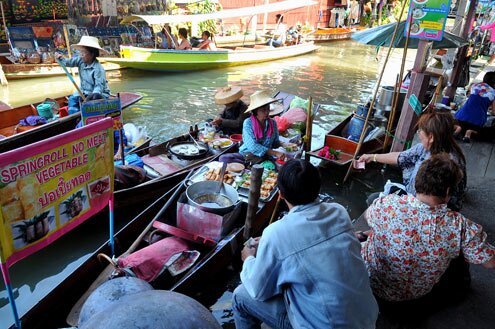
[414, 239]
[435, 132]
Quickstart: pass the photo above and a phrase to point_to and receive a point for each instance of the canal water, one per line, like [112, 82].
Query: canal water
[339, 76]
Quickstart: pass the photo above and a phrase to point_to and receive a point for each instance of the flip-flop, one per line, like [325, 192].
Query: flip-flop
[466, 139]
[361, 236]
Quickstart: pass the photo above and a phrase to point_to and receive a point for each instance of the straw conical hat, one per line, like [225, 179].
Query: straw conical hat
[262, 98]
[228, 95]
[92, 42]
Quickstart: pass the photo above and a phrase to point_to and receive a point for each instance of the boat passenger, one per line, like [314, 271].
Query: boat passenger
[233, 115]
[94, 83]
[280, 34]
[207, 43]
[259, 132]
[306, 270]
[165, 36]
[184, 43]
[435, 134]
[472, 116]
[420, 253]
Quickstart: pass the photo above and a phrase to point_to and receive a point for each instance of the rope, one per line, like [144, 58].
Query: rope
[407, 143]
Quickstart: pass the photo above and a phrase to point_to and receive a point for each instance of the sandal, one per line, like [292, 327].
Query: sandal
[466, 139]
[361, 236]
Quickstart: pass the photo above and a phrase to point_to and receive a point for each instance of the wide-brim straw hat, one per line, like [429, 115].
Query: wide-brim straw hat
[228, 95]
[262, 98]
[92, 42]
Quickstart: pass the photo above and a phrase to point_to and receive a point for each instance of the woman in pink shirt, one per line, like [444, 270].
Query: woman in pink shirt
[492, 40]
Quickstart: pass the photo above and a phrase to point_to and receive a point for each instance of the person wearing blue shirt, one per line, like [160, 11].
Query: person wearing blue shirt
[94, 83]
[306, 270]
[472, 116]
[259, 132]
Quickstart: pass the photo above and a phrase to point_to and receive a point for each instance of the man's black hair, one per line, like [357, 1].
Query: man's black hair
[299, 182]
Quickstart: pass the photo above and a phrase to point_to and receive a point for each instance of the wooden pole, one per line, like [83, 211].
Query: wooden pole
[71, 78]
[254, 196]
[393, 111]
[372, 103]
[309, 127]
[3, 79]
[275, 210]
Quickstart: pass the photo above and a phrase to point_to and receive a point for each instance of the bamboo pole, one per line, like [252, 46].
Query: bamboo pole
[393, 112]
[275, 210]
[309, 128]
[3, 78]
[254, 196]
[372, 103]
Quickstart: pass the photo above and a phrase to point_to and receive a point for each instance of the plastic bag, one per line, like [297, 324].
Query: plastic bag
[299, 102]
[295, 114]
[282, 124]
[135, 135]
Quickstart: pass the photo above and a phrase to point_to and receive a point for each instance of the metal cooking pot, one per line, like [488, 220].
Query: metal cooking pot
[188, 150]
[202, 195]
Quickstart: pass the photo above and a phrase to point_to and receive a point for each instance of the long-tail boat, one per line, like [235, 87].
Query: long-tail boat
[191, 60]
[17, 136]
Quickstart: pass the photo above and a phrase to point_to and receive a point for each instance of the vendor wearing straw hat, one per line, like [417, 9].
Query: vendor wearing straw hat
[259, 131]
[94, 84]
[231, 119]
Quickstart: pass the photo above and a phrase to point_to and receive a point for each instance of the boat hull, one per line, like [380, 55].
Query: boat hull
[187, 60]
[30, 71]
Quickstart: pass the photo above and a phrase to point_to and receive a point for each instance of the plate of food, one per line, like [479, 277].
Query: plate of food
[221, 143]
[418, 13]
[420, 1]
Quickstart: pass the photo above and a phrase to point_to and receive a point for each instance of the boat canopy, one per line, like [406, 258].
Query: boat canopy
[229, 13]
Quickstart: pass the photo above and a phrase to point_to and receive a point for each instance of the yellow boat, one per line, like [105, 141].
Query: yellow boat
[191, 60]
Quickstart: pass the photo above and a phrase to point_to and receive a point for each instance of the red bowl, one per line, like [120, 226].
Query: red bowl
[236, 138]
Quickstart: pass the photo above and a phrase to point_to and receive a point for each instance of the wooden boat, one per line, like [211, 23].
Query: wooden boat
[336, 140]
[192, 60]
[18, 136]
[330, 34]
[30, 71]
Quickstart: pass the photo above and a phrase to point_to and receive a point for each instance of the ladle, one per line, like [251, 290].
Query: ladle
[195, 142]
[222, 173]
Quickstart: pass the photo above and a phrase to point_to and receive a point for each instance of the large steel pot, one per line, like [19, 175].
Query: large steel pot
[202, 195]
[188, 150]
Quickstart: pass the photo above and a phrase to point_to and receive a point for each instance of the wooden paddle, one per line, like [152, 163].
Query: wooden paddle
[71, 78]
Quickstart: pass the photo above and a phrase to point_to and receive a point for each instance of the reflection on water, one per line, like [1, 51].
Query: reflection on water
[339, 76]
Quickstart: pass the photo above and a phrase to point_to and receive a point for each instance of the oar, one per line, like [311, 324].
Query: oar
[71, 78]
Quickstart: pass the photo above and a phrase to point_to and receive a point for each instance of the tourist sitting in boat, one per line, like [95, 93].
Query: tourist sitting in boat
[418, 249]
[184, 43]
[94, 83]
[280, 34]
[435, 135]
[207, 43]
[233, 115]
[165, 38]
[306, 270]
[472, 116]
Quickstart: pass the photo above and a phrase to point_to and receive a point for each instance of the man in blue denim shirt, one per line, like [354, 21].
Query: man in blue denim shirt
[94, 83]
[306, 271]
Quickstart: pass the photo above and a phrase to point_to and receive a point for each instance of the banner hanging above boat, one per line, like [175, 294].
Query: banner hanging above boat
[428, 19]
[92, 111]
[50, 187]
[229, 13]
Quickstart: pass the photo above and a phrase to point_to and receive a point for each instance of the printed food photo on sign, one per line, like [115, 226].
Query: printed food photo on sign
[73, 206]
[99, 187]
[30, 230]
[101, 164]
[19, 199]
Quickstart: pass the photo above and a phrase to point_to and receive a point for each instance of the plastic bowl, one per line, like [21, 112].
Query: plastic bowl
[236, 138]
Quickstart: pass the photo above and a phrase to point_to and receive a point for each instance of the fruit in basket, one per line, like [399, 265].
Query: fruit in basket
[329, 153]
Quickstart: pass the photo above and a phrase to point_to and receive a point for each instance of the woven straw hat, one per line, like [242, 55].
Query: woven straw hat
[228, 95]
[92, 42]
[262, 98]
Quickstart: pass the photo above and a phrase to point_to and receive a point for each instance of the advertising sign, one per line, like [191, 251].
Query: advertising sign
[49, 187]
[99, 109]
[428, 19]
